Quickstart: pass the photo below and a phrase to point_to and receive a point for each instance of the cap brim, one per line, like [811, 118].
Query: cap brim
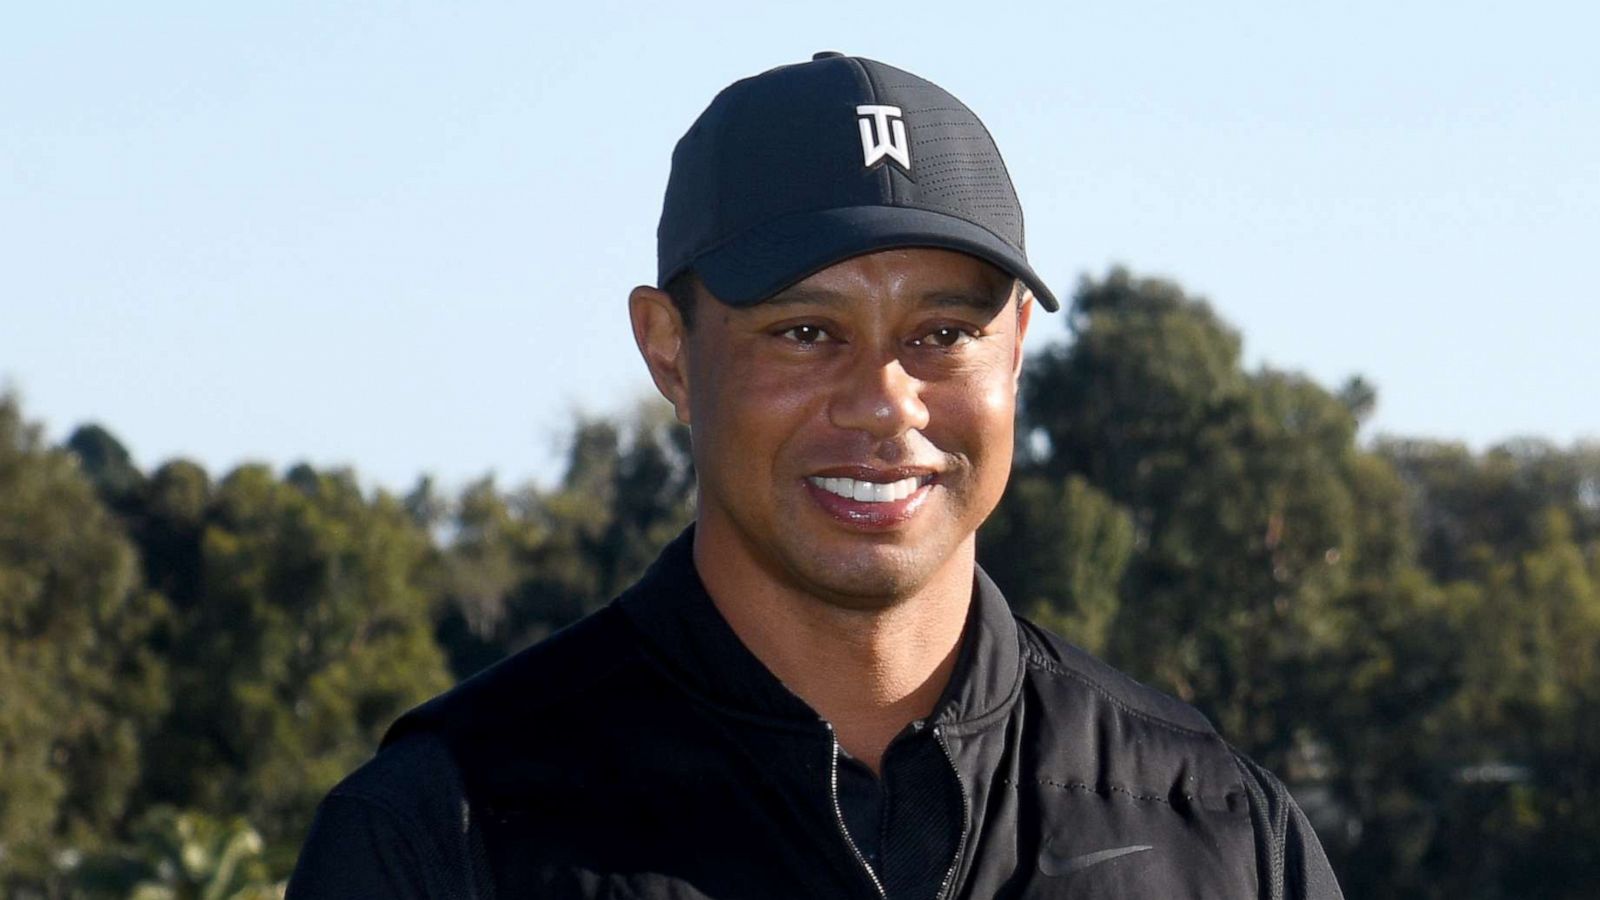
[768, 258]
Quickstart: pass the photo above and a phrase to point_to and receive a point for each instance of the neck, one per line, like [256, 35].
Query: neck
[869, 669]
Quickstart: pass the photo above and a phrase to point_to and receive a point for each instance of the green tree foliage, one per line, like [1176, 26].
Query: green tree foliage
[1506, 781]
[1063, 546]
[108, 464]
[1466, 505]
[297, 625]
[1253, 509]
[1528, 706]
[1380, 699]
[79, 689]
[300, 635]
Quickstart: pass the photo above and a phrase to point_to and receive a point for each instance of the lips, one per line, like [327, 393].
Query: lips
[871, 499]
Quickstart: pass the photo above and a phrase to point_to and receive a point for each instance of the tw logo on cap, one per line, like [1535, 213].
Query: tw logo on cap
[883, 135]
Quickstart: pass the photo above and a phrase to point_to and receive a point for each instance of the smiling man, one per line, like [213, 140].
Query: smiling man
[815, 691]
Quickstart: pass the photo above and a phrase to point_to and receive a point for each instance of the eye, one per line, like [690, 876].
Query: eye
[945, 337]
[805, 334]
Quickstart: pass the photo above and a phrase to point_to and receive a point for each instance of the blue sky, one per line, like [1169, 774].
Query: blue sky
[400, 236]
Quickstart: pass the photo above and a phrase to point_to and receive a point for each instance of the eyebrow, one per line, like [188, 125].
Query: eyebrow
[978, 300]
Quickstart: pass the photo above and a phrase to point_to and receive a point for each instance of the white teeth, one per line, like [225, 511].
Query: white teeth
[869, 491]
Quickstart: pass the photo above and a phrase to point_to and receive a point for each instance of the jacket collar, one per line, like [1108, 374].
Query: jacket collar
[682, 629]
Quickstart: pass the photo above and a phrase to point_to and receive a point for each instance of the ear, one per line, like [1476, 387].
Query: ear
[1024, 316]
[660, 335]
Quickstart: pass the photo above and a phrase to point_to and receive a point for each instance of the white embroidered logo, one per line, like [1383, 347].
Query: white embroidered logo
[883, 134]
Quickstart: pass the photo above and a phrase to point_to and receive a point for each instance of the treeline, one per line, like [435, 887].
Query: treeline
[1408, 632]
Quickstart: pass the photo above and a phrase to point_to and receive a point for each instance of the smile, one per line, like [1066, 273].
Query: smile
[870, 491]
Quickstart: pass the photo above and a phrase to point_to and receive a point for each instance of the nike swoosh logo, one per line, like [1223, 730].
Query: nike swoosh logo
[1056, 864]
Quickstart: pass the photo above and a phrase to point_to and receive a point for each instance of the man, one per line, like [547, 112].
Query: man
[814, 692]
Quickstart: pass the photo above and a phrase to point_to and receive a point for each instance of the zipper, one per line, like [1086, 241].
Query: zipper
[838, 814]
[966, 814]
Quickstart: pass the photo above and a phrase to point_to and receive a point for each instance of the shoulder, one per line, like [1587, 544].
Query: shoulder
[377, 833]
[571, 670]
[1290, 860]
[409, 782]
[1114, 733]
[1100, 730]
[1066, 668]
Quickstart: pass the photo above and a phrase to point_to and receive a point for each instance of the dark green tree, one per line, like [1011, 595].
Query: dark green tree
[1465, 504]
[298, 628]
[108, 464]
[1518, 813]
[79, 688]
[1253, 509]
[1059, 548]
[310, 636]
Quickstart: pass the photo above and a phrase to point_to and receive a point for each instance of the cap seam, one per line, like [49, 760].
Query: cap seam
[1022, 218]
[886, 177]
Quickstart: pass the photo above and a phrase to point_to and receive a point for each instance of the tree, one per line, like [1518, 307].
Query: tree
[1465, 505]
[1058, 549]
[299, 628]
[107, 463]
[1519, 813]
[314, 619]
[81, 689]
[1252, 508]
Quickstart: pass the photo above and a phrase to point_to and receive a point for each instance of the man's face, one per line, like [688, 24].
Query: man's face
[851, 433]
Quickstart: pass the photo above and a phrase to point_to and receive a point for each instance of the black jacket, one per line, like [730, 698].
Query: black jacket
[644, 752]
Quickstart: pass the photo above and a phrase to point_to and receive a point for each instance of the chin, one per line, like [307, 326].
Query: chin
[866, 576]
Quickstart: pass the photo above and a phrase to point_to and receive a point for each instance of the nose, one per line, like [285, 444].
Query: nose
[879, 397]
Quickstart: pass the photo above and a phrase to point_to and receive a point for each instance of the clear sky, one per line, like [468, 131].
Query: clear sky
[400, 236]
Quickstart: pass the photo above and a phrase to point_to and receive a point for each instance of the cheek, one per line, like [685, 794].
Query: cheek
[745, 413]
[993, 417]
[998, 410]
[999, 401]
[977, 418]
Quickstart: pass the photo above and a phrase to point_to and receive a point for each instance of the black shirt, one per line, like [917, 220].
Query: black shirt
[645, 752]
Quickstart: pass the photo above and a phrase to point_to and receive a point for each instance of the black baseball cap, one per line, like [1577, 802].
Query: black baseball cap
[805, 165]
